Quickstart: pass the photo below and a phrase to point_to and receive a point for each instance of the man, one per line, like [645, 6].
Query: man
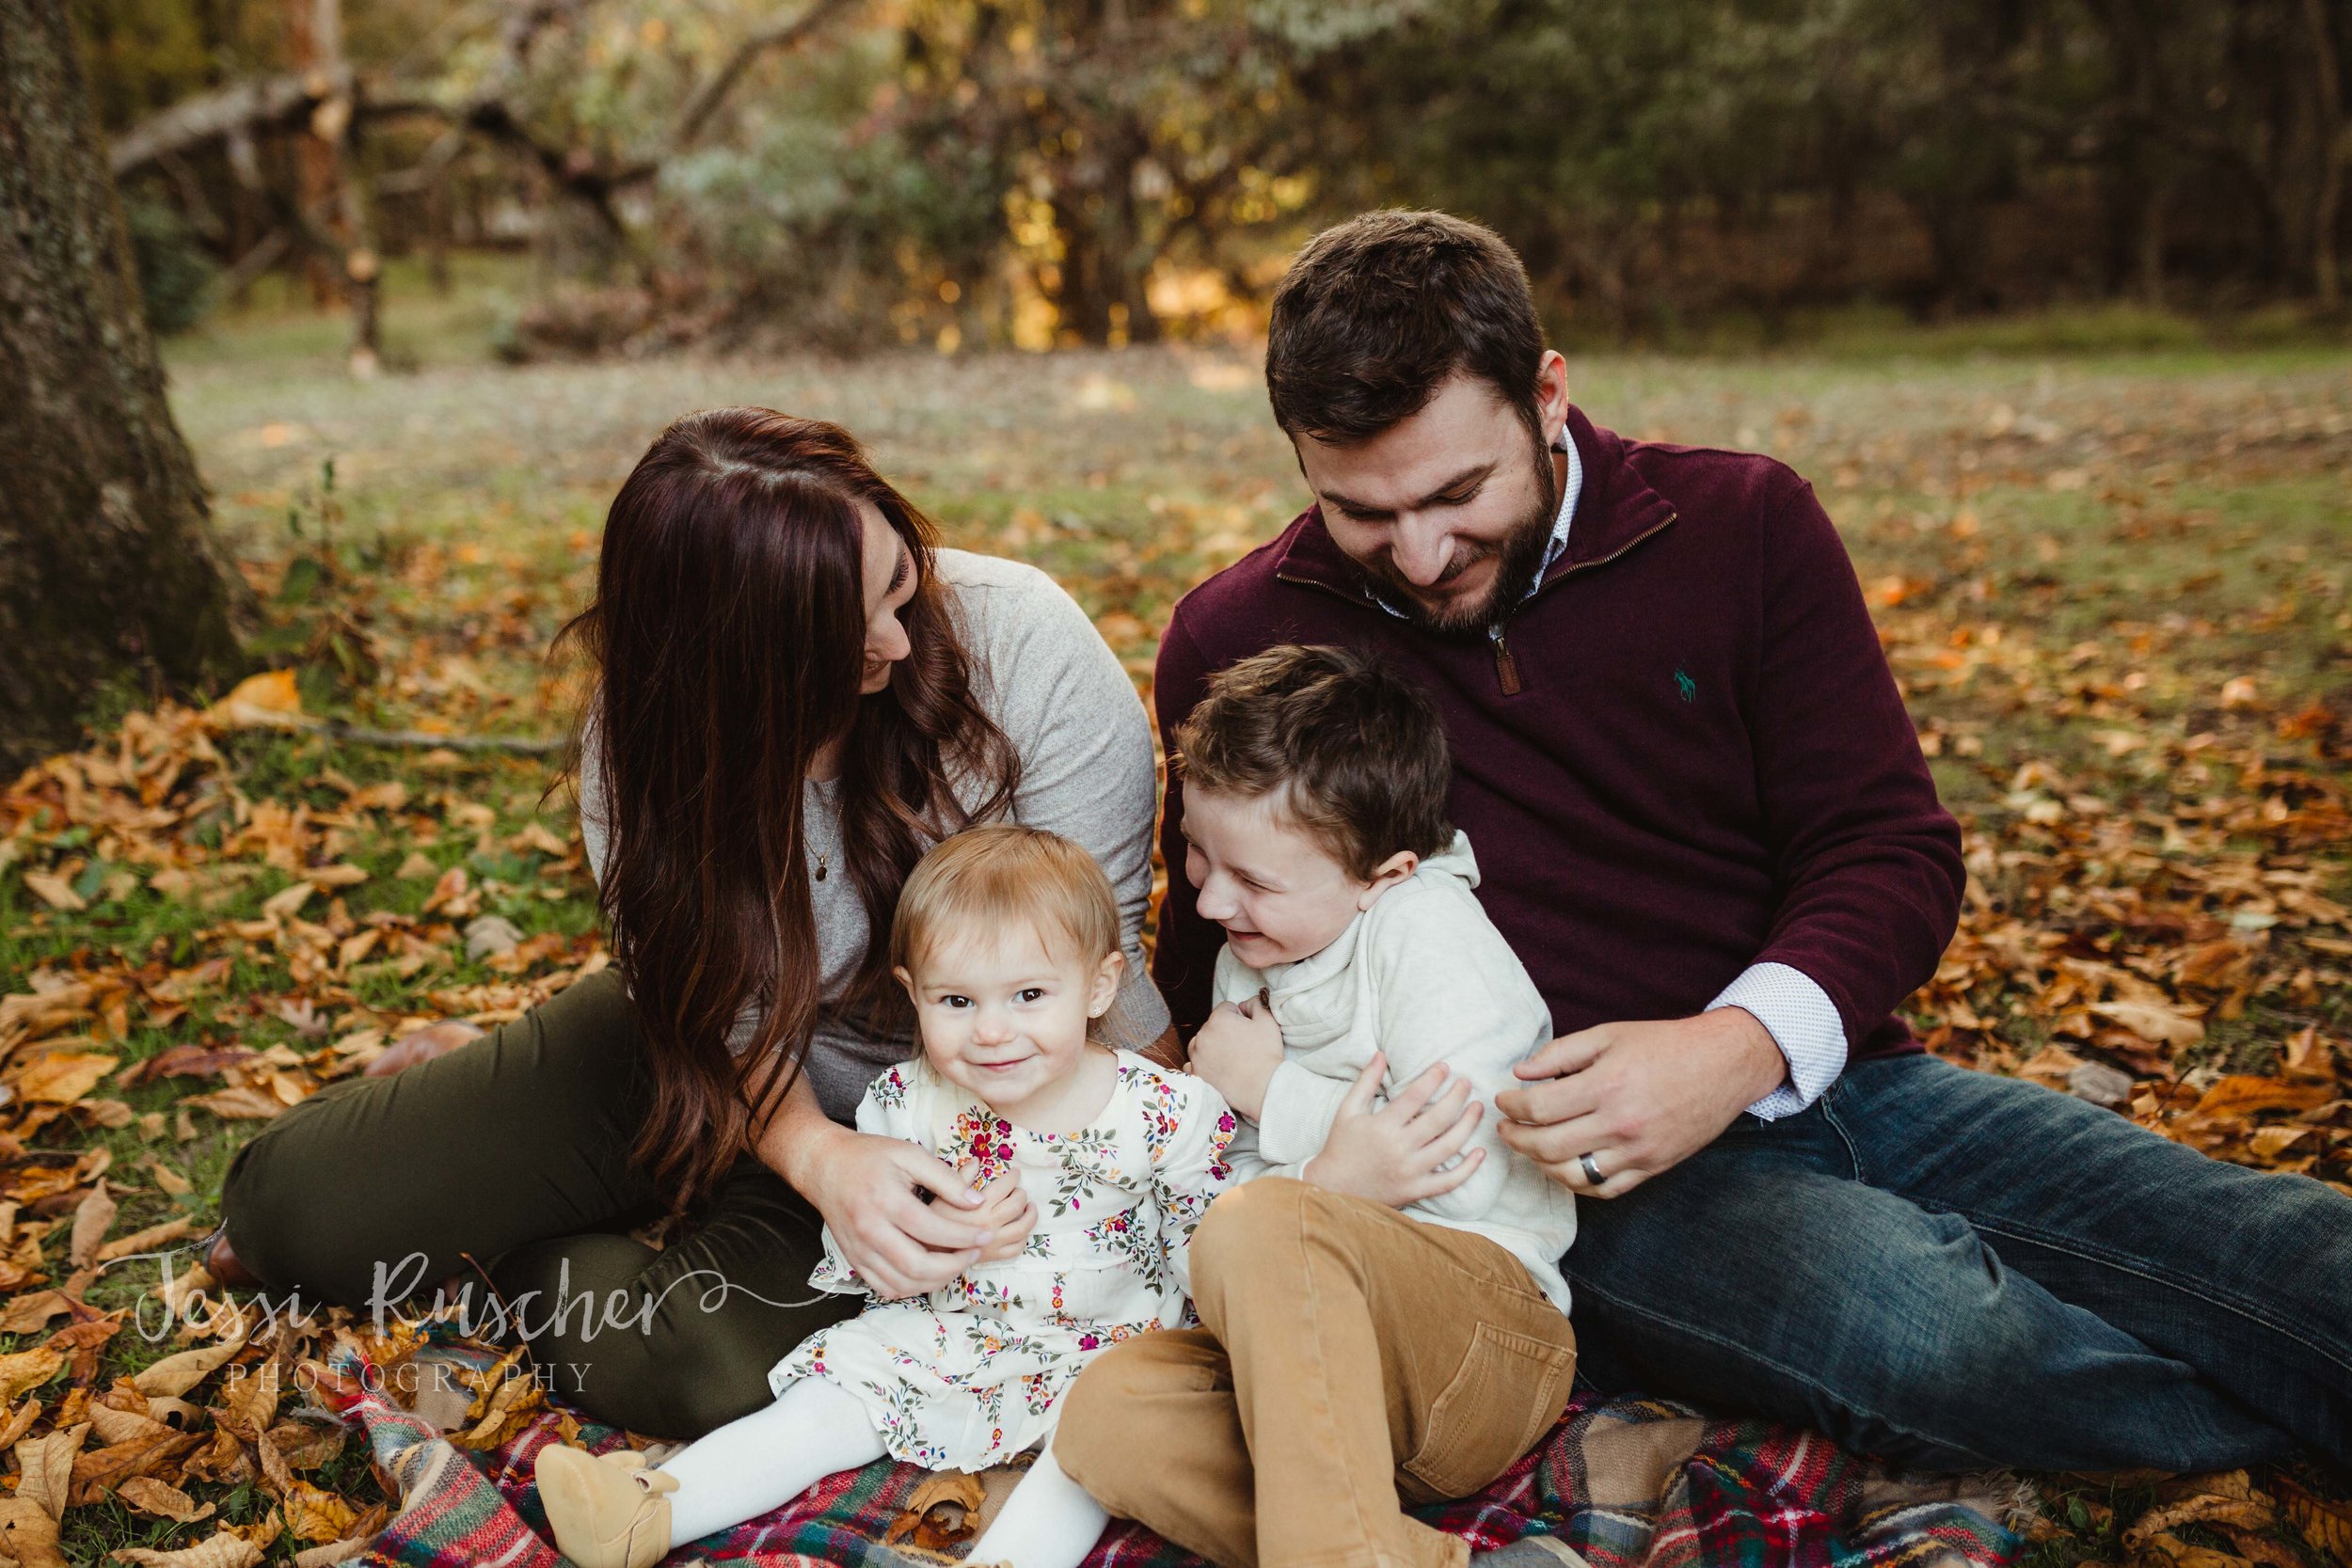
[1705, 825]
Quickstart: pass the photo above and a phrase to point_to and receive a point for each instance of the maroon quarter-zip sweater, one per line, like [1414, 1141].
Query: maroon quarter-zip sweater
[1685, 754]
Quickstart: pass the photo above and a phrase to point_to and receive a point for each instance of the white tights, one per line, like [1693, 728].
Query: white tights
[764, 1460]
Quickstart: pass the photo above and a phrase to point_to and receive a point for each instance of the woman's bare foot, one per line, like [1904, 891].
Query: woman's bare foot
[422, 1045]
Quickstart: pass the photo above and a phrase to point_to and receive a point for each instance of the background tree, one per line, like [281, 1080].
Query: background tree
[107, 568]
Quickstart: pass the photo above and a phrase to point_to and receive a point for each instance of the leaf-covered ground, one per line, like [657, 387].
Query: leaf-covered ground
[2115, 590]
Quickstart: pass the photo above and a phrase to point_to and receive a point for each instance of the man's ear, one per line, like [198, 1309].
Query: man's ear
[1387, 874]
[1551, 393]
[1105, 983]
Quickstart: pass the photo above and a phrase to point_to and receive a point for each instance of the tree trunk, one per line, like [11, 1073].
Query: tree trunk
[107, 566]
[2335, 142]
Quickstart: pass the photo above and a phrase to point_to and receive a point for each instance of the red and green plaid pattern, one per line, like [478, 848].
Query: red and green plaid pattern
[1625, 1483]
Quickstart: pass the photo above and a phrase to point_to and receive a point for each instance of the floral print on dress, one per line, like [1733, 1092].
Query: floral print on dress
[973, 1373]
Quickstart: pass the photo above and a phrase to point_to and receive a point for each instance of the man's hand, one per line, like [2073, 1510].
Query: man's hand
[1237, 1051]
[1639, 1097]
[1391, 1155]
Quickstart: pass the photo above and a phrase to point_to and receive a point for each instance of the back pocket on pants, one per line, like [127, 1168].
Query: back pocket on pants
[1507, 1392]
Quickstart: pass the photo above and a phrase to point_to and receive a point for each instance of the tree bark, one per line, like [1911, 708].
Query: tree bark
[107, 565]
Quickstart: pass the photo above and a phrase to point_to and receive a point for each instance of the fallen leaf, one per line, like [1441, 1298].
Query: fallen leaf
[29, 1314]
[2326, 1526]
[45, 1468]
[27, 1370]
[269, 699]
[2244, 1095]
[150, 1495]
[2153, 1021]
[92, 1219]
[29, 1534]
[150, 1239]
[56, 892]
[176, 1374]
[226, 1550]
[63, 1077]
[238, 1103]
[98, 1471]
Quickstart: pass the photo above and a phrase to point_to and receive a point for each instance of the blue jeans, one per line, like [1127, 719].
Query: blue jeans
[1955, 1271]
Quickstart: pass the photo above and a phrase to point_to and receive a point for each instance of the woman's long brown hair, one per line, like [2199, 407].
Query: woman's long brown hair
[728, 635]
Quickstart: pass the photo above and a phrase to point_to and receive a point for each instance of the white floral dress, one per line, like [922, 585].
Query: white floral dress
[970, 1374]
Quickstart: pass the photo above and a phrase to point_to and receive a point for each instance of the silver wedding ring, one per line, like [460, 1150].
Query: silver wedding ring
[1592, 1171]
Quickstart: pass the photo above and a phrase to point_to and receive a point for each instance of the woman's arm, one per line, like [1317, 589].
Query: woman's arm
[1087, 770]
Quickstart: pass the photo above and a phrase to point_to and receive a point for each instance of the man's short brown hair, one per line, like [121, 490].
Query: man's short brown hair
[1378, 313]
[1356, 753]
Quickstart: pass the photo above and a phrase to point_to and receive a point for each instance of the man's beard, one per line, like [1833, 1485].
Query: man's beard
[1522, 555]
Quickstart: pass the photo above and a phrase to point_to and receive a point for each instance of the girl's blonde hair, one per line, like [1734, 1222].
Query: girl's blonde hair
[985, 879]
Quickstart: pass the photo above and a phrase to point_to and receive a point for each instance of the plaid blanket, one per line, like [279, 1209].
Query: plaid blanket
[1625, 1482]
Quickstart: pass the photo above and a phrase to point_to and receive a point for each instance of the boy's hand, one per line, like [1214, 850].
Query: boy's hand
[1006, 1208]
[1237, 1051]
[1391, 1155]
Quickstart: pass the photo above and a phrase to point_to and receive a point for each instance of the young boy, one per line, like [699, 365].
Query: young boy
[1383, 1323]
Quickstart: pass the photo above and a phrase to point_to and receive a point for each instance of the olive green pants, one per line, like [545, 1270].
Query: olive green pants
[513, 1151]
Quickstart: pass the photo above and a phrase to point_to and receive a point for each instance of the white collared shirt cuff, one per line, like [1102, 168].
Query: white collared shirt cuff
[1802, 1021]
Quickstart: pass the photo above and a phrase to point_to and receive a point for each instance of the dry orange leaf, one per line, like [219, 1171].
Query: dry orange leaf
[150, 1239]
[30, 1314]
[55, 890]
[92, 1218]
[226, 1550]
[2244, 1094]
[46, 1466]
[176, 1374]
[238, 1105]
[270, 700]
[2153, 1021]
[150, 1495]
[98, 1471]
[29, 1535]
[63, 1077]
[27, 1370]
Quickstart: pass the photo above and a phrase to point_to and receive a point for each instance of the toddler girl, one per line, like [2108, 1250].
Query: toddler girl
[1007, 939]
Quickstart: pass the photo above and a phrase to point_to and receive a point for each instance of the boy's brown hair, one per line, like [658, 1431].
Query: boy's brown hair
[1357, 752]
[1378, 313]
[985, 879]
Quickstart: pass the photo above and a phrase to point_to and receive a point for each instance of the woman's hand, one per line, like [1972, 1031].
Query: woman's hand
[1006, 1211]
[1392, 1155]
[867, 1185]
[1237, 1051]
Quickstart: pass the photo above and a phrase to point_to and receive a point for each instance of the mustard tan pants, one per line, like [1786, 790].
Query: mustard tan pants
[1352, 1361]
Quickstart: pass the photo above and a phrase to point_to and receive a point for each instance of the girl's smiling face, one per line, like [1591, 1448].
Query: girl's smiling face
[1003, 1014]
[1277, 889]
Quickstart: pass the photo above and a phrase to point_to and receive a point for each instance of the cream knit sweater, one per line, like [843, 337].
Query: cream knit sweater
[1424, 976]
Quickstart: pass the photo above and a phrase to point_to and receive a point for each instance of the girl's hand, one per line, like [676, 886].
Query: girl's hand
[865, 1186]
[1391, 1155]
[1006, 1210]
[1237, 1051]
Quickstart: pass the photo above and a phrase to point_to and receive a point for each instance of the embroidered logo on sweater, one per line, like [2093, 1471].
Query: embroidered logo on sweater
[1685, 684]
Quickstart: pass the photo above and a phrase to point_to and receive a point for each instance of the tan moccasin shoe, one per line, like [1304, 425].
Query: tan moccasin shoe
[606, 1511]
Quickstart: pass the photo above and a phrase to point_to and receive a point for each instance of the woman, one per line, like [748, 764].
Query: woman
[798, 694]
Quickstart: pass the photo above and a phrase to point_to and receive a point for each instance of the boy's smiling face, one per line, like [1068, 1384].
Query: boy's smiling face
[1277, 889]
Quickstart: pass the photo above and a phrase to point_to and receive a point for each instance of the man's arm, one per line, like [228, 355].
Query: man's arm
[1869, 864]
[1868, 859]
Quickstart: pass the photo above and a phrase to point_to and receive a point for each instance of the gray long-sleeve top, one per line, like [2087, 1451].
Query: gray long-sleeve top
[1044, 674]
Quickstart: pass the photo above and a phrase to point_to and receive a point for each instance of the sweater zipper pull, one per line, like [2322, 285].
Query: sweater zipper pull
[1506, 668]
